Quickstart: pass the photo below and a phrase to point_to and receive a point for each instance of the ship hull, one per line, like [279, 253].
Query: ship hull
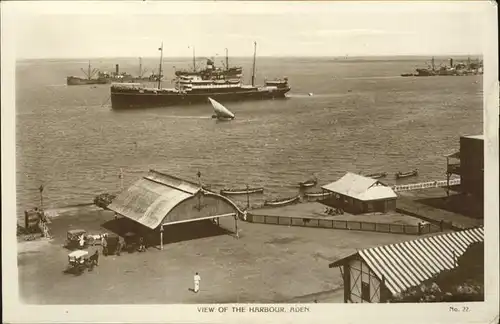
[136, 99]
[81, 81]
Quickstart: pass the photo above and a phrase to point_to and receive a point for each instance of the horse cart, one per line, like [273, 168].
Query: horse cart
[78, 261]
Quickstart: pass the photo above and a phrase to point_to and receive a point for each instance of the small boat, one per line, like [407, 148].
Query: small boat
[407, 74]
[400, 175]
[316, 194]
[241, 191]
[377, 175]
[221, 112]
[308, 183]
[282, 202]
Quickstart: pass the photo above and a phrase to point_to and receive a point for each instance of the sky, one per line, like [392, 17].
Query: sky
[112, 29]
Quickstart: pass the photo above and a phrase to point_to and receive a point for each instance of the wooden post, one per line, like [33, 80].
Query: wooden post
[248, 197]
[161, 237]
[236, 225]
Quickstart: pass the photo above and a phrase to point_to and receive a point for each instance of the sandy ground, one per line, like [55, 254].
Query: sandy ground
[317, 210]
[266, 264]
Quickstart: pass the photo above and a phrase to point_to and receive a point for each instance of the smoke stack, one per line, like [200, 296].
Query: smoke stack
[451, 62]
[117, 69]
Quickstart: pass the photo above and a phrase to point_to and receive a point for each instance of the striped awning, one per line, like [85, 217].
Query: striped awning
[408, 264]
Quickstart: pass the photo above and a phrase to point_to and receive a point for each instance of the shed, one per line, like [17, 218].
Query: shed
[358, 194]
[376, 274]
[159, 199]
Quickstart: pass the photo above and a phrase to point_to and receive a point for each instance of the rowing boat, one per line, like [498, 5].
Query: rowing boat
[316, 194]
[377, 175]
[282, 202]
[241, 191]
[308, 183]
[400, 175]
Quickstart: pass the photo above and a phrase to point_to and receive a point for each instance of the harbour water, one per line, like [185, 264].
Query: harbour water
[362, 117]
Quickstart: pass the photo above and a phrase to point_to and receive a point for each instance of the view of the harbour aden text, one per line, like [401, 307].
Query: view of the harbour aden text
[278, 160]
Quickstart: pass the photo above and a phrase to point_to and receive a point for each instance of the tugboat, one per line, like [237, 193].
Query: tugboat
[196, 87]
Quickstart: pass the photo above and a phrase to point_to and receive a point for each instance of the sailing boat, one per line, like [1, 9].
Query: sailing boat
[221, 112]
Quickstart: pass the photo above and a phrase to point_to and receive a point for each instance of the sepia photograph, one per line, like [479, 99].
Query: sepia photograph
[244, 158]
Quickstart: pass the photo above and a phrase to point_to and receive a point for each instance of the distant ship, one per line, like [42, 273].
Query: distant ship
[196, 87]
[123, 77]
[94, 76]
[469, 68]
[90, 78]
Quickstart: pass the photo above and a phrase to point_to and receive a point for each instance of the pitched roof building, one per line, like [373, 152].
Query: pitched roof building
[358, 194]
[376, 274]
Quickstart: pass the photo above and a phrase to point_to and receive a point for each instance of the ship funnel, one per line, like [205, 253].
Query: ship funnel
[117, 69]
[451, 62]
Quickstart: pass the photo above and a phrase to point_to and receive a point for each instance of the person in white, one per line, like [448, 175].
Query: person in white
[197, 280]
[81, 241]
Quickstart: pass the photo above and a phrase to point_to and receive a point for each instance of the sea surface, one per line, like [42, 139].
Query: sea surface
[362, 117]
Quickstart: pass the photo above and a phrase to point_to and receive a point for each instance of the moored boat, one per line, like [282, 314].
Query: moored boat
[400, 175]
[316, 194]
[308, 183]
[241, 191]
[282, 201]
[377, 175]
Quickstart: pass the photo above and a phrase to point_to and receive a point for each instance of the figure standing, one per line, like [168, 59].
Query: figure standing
[81, 241]
[197, 280]
[104, 244]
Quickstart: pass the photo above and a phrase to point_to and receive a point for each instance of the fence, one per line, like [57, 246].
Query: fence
[425, 185]
[346, 225]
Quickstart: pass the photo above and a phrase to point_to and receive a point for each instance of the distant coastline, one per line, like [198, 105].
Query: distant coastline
[334, 58]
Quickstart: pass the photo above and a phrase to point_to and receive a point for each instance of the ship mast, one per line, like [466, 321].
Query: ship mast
[194, 60]
[433, 67]
[227, 61]
[161, 60]
[254, 53]
[140, 67]
[88, 74]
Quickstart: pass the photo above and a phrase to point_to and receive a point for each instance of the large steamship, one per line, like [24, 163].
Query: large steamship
[197, 86]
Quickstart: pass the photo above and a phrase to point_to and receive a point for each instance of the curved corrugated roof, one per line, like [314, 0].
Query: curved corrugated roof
[408, 264]
[147, 202]
[151, 198]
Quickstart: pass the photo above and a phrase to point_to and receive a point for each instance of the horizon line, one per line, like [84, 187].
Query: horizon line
[262, 56]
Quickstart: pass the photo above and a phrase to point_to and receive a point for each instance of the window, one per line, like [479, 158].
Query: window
[365, 291]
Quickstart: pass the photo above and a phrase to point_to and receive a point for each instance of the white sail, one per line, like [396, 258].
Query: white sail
[220, 110]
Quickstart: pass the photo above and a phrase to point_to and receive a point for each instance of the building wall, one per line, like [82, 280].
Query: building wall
[363, 286]
[355, 206]
[472, 165]
[199, 206]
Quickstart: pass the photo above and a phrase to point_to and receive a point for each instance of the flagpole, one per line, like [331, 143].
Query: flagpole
[121, 179]
[41, 196]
